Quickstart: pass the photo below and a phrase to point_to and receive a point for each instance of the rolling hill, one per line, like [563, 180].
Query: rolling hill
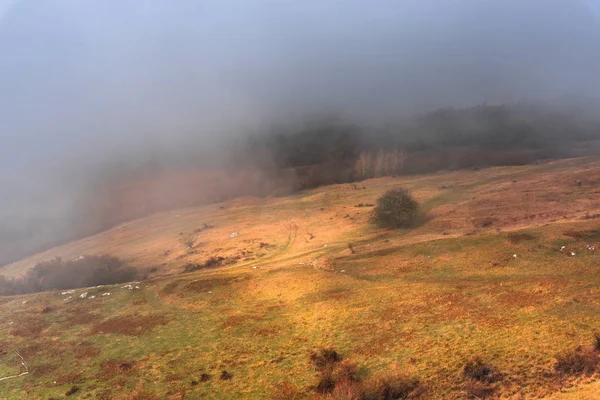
[484, 275]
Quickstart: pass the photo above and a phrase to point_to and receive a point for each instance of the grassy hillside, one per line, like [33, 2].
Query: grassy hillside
[483, 276]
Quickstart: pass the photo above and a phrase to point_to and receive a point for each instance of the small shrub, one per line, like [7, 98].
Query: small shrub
[287, 391]
[72, 391]
[188, 240]
[395, 209]
[577, 362]
[203, 228]
[326, 382]
[346, 390]
[325, 358]
[333, 373]
[205, 377]
[360, 205]
[345, 371]
[477, 370]
[390, 386]
[225, 376]
[209, 263]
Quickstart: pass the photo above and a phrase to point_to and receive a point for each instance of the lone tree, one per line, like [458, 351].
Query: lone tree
[395, 209]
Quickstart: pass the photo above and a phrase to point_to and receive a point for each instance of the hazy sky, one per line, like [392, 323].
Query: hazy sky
[89, 75]
[86, 81]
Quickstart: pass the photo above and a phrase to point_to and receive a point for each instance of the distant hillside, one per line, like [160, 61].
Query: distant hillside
[289, 158]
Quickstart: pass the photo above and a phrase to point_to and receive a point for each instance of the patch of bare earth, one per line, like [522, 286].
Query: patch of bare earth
[82, 317]
[204, 285]
[131, 325]
[42, 370]
[86, 350]
[29, 326]
[69, 378]
[240, 319]
[113, 368]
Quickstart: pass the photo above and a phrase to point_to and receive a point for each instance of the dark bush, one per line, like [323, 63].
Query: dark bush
[225, 376]
[204, 377]
[325, 361]
[287, 391]
[395, 209]
[339, 380]
[326, 382]
[345, 371]
[390, 386]
[209, 263]
[58, 274]
[577, 362]
[596, 341]
[335, 373]
[325, 358]
[479, 371]
[346, 390]
[72, 391]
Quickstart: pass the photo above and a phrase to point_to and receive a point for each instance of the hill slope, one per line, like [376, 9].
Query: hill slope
[484, 276]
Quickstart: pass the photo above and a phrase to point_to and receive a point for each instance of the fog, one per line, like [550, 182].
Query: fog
[89, 85]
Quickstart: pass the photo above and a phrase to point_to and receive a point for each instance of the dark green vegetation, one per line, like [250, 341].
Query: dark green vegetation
[331, 150]
[59, 274]
[395, 209]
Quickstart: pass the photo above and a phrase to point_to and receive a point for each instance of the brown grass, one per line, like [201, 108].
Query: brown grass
[113, 367]
[86, 350]
[577, 362]
[436, 310]
[204, 285]
[517, 237]
[69, 378]
[240, 319]
[478, 390]
[591, 234]
[287, 391]
[130, 325]
[346, 390]
[479, 371]
[42, 369]
[29, 326]
[389, 386]
[81, 317]
[170, 288]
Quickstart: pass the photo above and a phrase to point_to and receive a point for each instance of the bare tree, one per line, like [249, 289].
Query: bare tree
[188, 240]
[398, 157]
[363, 165]
[379, 164]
